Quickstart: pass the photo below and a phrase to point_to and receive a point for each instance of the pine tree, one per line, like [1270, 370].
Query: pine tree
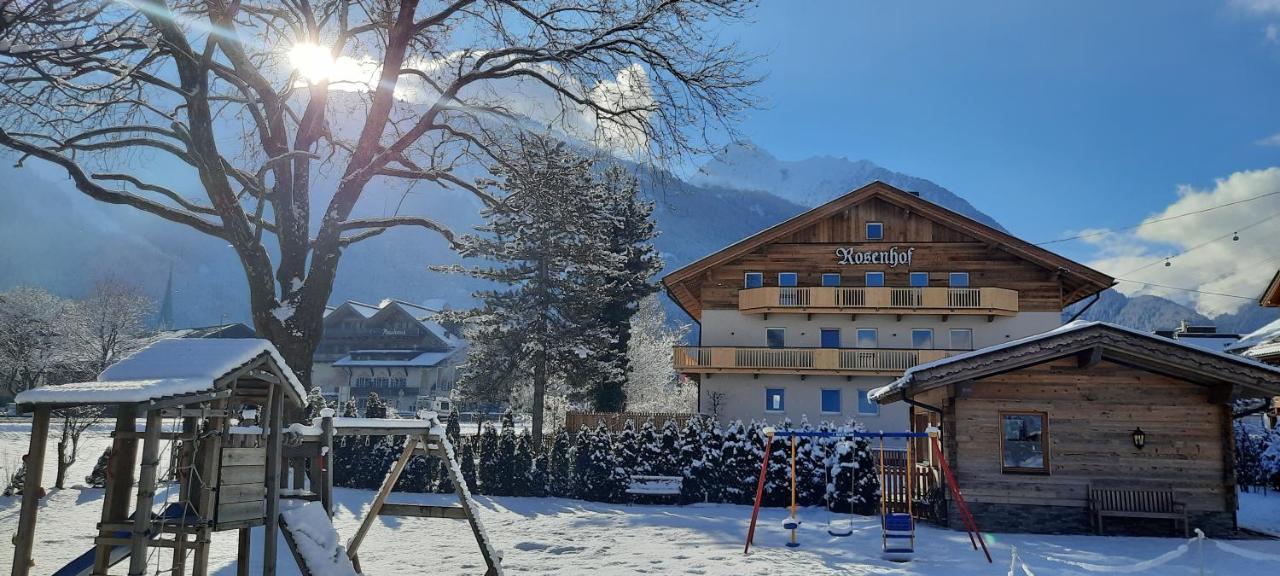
[691, 462]
[538, 476]
[650, 449]
[16, 480]
[711, 478]
[350, 409]
[739, 465]
[315, 403]
[583, 444]
[560, 466]
[374, 407]
[489, 468]
[453, 427]
[777, 490]
[508, 473]
[468, 464]
[668, 460]
[628, 449]
[98, 477]
[520, 482]
[549, 254]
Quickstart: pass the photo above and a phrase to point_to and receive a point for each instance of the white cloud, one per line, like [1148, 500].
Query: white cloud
[1258, 6]
[1273, 33]
[1214, 262]
[1272, 140]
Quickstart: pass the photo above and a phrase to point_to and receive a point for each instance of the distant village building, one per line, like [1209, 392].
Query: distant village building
[1207, 337]
[805, 318]
[1263, 345]
[396, 349]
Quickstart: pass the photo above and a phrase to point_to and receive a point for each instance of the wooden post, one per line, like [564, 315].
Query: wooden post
[447, 457]
[274, 461]
[146, 495]
[410, 442]
[327, 457]
[207, 460]
[242, 553]
[188, 492]
[119, 482]
[26, 536]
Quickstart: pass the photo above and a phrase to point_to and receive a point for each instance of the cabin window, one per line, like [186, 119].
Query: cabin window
[831, 401]
[875, 279]
[865, 405]
[775, 337]
[773, 400]
[919, 279]
[1024, 442]
[830, 337]
[787, 279]
[868, 338]
[922, 338]
[831, 280]
[754, 280]
[875, 231]
[959, 279]
[962, 339]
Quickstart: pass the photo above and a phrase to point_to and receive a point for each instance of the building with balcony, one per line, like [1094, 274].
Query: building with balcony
[395, 349]
[805, 318]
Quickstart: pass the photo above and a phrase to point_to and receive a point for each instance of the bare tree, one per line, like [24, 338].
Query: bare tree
[108, 324]
[258, 100]
[653, 385]
[75, 421]
[32, 324]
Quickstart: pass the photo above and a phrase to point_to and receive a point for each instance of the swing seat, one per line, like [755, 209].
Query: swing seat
[899, 522]
[793, 544]
[791, 523]
[840, 531]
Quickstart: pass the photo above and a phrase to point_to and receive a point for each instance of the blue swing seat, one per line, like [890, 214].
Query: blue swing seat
[898, 522]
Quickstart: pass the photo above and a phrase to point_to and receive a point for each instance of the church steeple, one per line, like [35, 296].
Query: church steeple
[166, 305]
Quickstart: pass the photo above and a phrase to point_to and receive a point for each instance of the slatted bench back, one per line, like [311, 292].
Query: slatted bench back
[1132, 500]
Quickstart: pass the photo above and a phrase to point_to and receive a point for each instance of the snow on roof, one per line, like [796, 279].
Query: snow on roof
[1264, 334]
[424, 359]
[168, 367]
[901, 383]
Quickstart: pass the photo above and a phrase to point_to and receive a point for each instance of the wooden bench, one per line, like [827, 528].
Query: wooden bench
[655, 486]
[1124, 503]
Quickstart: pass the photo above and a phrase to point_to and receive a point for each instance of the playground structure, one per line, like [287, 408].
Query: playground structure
[218, 406]
[897, 528]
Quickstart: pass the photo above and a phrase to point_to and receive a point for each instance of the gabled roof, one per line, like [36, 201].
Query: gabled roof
[1271, 296]
[168, 368]
[1116, 343]
[888, 193]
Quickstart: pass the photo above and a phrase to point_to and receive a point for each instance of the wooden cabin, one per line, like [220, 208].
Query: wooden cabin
[215, 406]
[1040, 431]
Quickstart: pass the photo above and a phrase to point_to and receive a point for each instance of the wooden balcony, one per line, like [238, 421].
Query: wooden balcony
[879, 300]
[817, 361]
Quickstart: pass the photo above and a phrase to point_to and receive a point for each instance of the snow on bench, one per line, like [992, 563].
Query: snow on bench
[655, 485]
[314, 542]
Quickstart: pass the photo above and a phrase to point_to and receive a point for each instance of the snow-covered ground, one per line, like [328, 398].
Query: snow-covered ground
[1260, 511]
[557, 536]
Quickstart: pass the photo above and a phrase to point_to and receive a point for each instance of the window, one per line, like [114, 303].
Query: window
[1024, 442]
[865, 405]
[922, 338]
[919, 279]
[773, 400]
[868, 338]
[787, 279]
[830, 280]
[754, 280]
[961, 339]
[959, 279]
[831, 401]
[775, 337]
[875, 231]
[875, 279]
[830, 337]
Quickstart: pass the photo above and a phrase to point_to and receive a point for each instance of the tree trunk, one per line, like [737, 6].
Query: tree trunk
[61, 479]
[539, 396]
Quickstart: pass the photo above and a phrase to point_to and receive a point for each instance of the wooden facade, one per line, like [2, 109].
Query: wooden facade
[1094, 385]
[941, 242]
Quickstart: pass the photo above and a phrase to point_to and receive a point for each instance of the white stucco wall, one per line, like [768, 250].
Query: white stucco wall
[733, 328]
[744, 399]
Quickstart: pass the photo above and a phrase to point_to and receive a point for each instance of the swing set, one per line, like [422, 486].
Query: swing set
[897, 529]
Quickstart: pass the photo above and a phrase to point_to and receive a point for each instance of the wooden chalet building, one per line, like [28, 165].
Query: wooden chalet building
[1038, 429]
[806, 317]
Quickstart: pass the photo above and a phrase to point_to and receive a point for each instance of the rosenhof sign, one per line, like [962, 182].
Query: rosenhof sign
[891, 257]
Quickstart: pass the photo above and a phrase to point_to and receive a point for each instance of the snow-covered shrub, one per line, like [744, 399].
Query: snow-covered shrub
[488, 468]
[560, 466]
[97, 478]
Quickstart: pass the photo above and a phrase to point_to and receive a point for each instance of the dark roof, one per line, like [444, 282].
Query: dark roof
[1271, 296]
[1116, 343]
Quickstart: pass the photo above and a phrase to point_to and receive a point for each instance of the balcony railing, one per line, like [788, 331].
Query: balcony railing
[840, 361]
[880, 300]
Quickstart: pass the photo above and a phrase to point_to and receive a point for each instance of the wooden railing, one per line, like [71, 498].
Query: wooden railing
[884, 299]
[702, 359]
[924, 481]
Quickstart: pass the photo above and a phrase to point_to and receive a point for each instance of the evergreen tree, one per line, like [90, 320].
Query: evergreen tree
[350, 409]
[374, 407]
[489, 467]
[538, 476]
[604, 480]
[650, 448]
[711, 478]
[560, 466]
[315, 403]
[16, 480]
[508, 472]
[98, 476]
[739, 466]
[777, 489]
[467, 455]
[583, 444]
[628, 449]
[520, 481]
[668, 459]
[691, 462]
[453, 427]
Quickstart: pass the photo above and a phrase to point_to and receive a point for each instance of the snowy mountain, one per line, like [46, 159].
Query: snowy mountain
[1153, 313]
[816, 180]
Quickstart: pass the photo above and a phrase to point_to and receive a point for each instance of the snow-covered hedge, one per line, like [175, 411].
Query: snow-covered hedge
[717, 464]
[1257, 455]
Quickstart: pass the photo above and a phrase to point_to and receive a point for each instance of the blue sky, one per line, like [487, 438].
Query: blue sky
[1051, 117]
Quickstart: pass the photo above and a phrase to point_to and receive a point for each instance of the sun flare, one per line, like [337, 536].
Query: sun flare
[312, 62]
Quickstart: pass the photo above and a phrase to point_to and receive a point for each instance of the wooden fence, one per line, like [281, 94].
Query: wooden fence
[614, 421]
[924, 480]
